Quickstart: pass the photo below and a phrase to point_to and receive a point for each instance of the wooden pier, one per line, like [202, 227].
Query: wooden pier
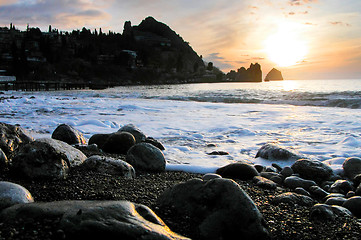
[46, 86]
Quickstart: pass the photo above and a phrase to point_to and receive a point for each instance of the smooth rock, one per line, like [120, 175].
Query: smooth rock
[12, 193]
[324, 212]
[354, 205]
[294, 182]
[352, 167]
[341, 186]
[209, 176]
[95, 219]
[293, 198]
[339, 201]
[358, 190]
[155, 143]
[219, 208]
[68, 134]
[264, 182]
[12, 136]
[145, 156]
[109, 165]
[270, 175]
[136, 132]
[98, 139]
[46, 158]
[278, 167]
[302, 191]
[332, 195]
[286, 172]
[241, 171]
[3, 160]
[312, 169]
[274, 152]
[119, 143]
[318, 191]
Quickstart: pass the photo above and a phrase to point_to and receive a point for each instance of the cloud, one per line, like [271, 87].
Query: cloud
[300, 2]
[339, 23]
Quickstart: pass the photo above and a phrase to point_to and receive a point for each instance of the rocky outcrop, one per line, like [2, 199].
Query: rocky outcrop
[273, 75]
[95, 219]
[219, 208]
[251, 74]
[46, 158]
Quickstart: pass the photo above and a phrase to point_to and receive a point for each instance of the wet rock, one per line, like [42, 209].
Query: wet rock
[264, 182]
[136, 132]
[352, 167]
[219, 208]
[109, 165]
[146, 157]
[339, 201]
[46, 158]
[68, 134]
[278, 167]
[12, 136]
[332, 195]
[155, 143]
[11, 194]
[318, 192]
[98, 139]
[341, 186]
[294, 182]
[96, 219]
[119, 143]
[242, 171]
[354, 205]
[286, 172]
[218, 153]
[324, 212]
[302, 191]
[293, 198]
[358, 190]
[210, 176]
[3, 160]
[274, 152]
[312, 169]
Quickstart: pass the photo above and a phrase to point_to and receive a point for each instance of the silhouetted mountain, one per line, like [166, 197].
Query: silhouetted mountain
[274, 75]
[251, 74]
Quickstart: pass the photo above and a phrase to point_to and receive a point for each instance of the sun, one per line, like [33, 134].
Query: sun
[286, 47]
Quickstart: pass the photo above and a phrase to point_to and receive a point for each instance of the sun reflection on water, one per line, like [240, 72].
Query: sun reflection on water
[289, 85]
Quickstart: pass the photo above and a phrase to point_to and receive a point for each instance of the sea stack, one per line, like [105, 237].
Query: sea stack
[274, 75]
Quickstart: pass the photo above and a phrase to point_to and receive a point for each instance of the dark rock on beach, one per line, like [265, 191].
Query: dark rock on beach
[312, 169]
[274, 152]
[219, 208]
[119, 142]
[352, 167]
[3, 159]
[354, 205]
[46, 158]
[293, 198]
[242, 171]
[324, 212]
[68, 134]
[95, 219]
[136, 132]
[12, 136]
[145, 156]
[98, 139]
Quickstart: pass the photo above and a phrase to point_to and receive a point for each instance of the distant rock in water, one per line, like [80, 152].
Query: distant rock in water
[251, 74]
[274, 75]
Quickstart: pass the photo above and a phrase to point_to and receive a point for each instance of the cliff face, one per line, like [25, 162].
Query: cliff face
[251, 74]
[274, 75]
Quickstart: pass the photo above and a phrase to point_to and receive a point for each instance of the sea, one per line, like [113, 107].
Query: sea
[317, 119]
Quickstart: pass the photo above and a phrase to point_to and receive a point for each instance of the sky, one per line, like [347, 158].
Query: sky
[305, 39]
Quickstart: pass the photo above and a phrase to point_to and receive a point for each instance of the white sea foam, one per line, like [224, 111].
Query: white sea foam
[191, 129]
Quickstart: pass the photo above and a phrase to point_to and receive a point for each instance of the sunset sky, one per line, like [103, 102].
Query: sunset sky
[305, 39]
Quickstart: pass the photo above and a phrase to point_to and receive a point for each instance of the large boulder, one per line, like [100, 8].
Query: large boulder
[12, 193]
[119, 142]
[109, 165]
[145, 156]
[12, 136]
[136, 132]
[95, 219]
[312, 169]
[354, 205]
[352, 167]
[242, 171]
[98, 139]
[274, 152]
[46, 158]
[68, 134]
[219, 209]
